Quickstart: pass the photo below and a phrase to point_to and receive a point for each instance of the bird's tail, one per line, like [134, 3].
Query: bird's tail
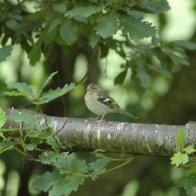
[127, 113]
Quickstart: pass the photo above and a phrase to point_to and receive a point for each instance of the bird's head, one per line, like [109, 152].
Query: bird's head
[92, 87]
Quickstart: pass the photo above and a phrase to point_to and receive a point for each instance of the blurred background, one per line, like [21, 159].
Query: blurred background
[164, 99]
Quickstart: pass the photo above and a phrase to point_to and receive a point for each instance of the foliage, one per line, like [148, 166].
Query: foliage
[67, 168]
[183, 158]
[111, 24]
[22, 89]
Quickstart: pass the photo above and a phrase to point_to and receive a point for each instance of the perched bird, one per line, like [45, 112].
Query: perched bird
[98, 102]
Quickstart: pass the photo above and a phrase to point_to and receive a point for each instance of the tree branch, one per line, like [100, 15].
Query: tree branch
[136, 138]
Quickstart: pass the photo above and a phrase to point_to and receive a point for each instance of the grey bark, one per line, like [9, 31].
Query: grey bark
[114, 137]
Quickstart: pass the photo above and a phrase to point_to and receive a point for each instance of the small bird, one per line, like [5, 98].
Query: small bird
[98, 102]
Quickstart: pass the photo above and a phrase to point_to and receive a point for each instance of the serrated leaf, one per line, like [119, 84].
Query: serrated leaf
[119, 79]
[98, 167]
[48, 157]
[53, 94]
[66, 185]
[68, 32]
[5, 51]
[2, 118]
[47, 81]
[189, 149]
[107, 26]
[180, 137]
[179, 159]
[45, 181]
[21, 87]
[84, 11]
[27, 119]
[136, 28]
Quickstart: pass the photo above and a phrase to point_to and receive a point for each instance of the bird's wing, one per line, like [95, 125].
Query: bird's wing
[105, 99]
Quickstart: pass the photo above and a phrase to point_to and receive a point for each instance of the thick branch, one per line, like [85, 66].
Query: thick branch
[135, 138]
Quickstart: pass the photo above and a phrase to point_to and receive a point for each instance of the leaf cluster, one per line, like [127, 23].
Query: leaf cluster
[185, 158]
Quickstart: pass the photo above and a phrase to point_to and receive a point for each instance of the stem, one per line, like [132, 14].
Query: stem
[118, 166]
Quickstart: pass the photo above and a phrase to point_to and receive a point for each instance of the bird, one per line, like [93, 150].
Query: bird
[99, 103]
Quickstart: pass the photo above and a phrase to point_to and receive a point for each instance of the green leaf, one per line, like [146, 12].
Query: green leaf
[189, 149]
[22, 88]
[49, 157]
[39, 136]
[190, 183]
[178, 57]
[98, 167]
[5, 51]
[45, 181]
[12, 24]
[84, 11]
[53, 143]
[94, 38]
[186, 44]
[179, 159]
[2, 118]
[30, 147]
[136, 28]
[27, 119]
[60, 7]
[180, 137]
[66, 185]
[35, 53]
[156, 6]
[68, 32]
[6, 145]
[120, 78]
[36, 50]
[53, 94]
[54, 24]
[107, 26]
[47, 81]
[15, 93]
[144, 78]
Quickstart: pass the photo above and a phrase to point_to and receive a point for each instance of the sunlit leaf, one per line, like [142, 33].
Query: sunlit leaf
[5, 51]
[136, 28]
[179, 159]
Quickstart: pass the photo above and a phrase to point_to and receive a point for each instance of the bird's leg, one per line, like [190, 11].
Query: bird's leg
[102, 117]
[97, 118]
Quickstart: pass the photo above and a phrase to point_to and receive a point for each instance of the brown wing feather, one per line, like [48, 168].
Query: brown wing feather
[105, 99]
